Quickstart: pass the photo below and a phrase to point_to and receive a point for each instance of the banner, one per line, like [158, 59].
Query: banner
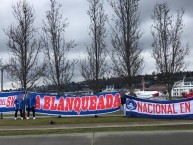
[77, 105]
[159, 109]
[7, 101]
[66, 105]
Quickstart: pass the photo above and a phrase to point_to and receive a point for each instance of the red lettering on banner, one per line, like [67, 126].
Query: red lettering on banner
[46, 103]
[145, 108]
[149, 110]
[53, 105]
[85, 103]
[93, 101]
[109, 101]
[156, 108]
[181, 108]
[2, 101]
[61, 104]
[139, 106]
[77, 104]
[170, 109]
[188, 109]
[38, 102]
[153, 108]
[185, 107]
[10, 101]
[101, 103]
[69, 103]
[117, 101]
[174, 110]
[163, 108]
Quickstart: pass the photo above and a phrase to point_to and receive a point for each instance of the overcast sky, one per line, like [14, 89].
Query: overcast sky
[76, 13]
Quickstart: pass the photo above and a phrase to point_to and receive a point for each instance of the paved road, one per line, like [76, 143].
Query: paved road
[145, 138]
[106, 138]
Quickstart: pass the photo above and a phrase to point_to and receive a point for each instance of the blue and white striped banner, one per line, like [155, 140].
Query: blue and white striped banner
[66, 105]
[7, 101]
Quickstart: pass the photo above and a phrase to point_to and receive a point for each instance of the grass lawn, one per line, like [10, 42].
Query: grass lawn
[92, 130]
[70, 120]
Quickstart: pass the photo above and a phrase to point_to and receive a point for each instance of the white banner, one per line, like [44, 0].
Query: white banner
[159, 109]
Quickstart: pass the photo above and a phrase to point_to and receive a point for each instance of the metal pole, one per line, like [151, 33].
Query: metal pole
[1, 79]
[1, 116]
[1, 87]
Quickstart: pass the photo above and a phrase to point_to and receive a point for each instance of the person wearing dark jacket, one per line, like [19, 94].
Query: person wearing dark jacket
[123, 102]
[19, 106]
[30, 105]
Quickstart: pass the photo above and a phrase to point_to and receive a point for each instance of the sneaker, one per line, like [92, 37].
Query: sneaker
[34, 118]
[15, 118]
[21, 118]
[27, 118]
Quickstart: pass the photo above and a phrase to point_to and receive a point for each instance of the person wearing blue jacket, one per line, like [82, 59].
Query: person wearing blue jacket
[19, 106]
[30, 105]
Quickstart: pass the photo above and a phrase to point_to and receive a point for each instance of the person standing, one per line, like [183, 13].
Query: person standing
[30, 105]
[19, 106]
[123, 102]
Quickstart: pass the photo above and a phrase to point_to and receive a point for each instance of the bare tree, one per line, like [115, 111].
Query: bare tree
[24, 66]
[168, 51]
[94, 66]
[60, 69]
[126, 54]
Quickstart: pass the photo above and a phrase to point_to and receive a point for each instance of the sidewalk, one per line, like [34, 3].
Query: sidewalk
[98, 125]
